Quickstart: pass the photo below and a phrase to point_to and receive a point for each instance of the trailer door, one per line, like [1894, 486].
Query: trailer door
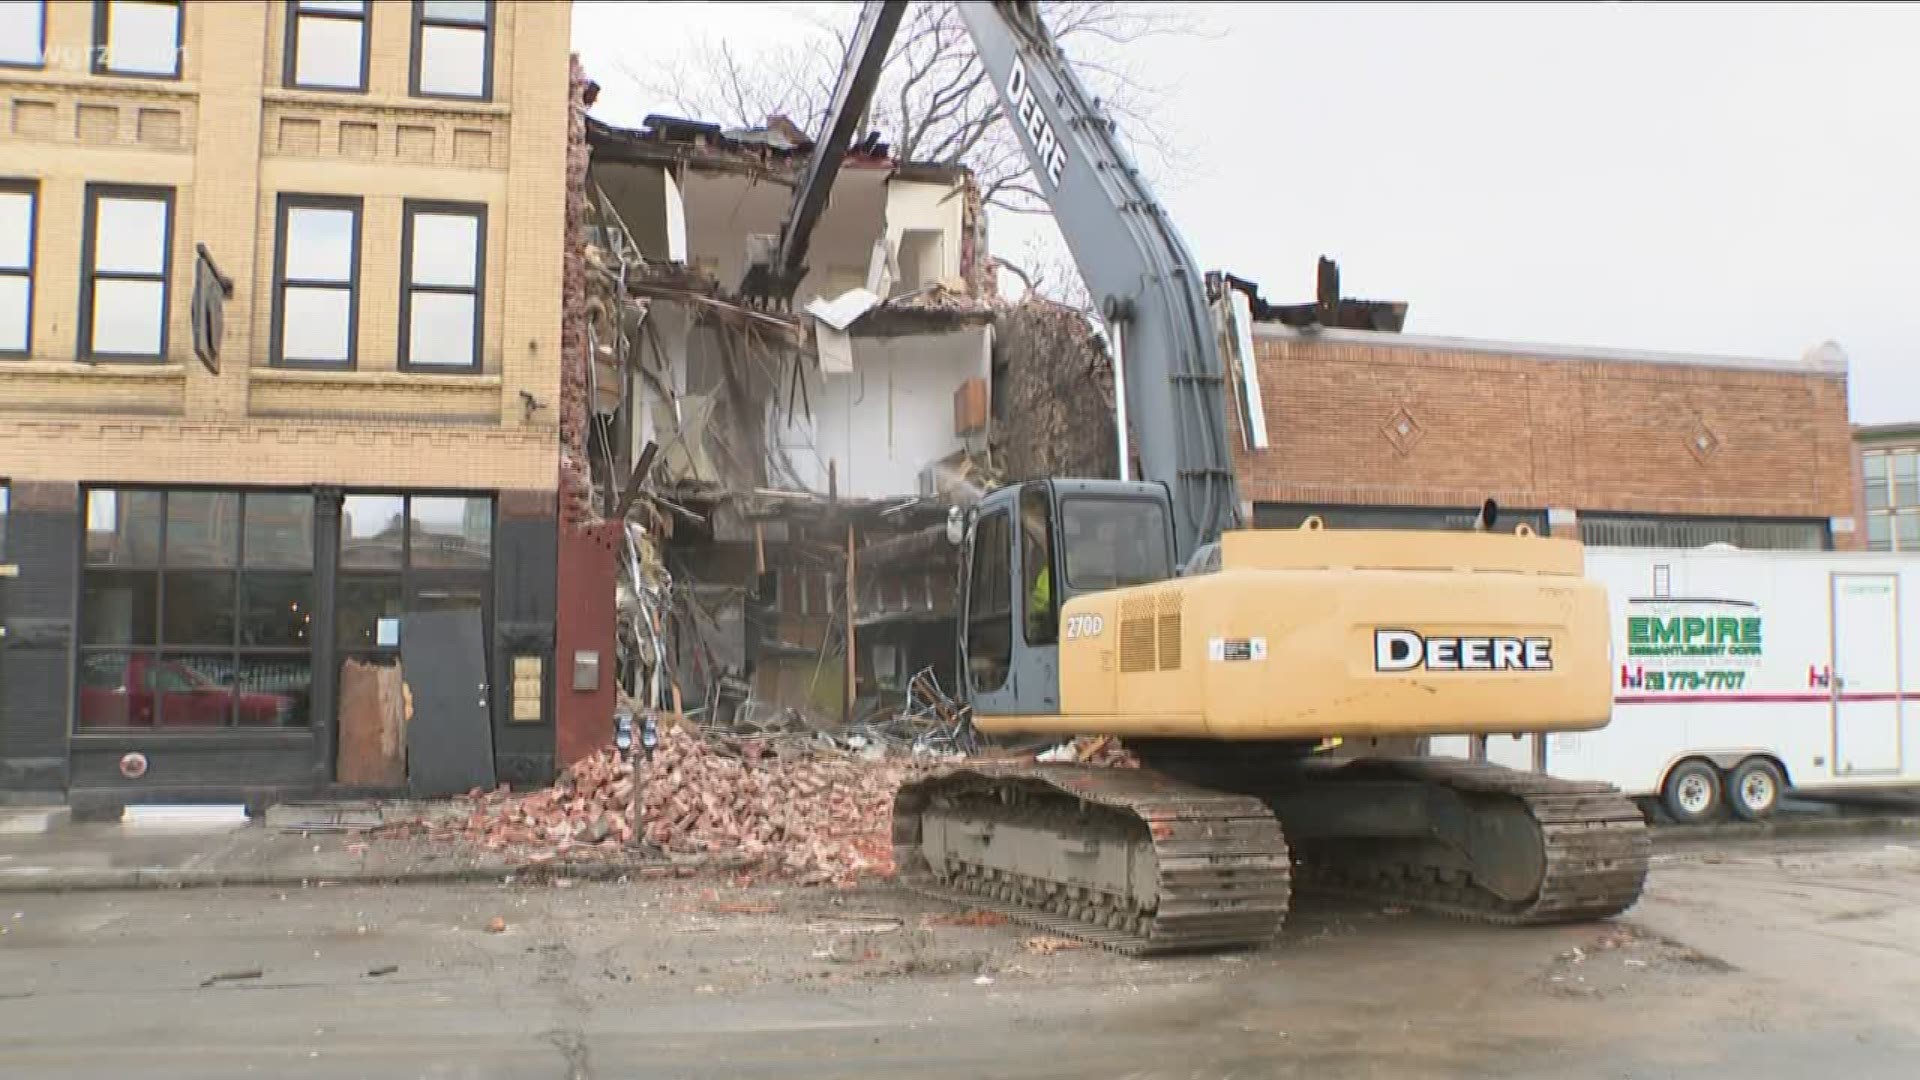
[1866, 674]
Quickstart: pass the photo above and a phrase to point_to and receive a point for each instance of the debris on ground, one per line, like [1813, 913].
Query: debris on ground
[1047, 945]
[927, 723]
[383, 969]
[806, 810]
[1102, 751]
[496, 925]
[806, 805]
[232, 976]
[975, 917]
[711, 903]
[1614, 938]
[856, 924]
[588, 810]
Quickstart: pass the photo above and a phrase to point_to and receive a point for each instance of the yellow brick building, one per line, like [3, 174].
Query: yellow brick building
[202, 544]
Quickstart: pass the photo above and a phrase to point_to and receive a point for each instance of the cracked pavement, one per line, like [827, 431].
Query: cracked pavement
[1779, 959]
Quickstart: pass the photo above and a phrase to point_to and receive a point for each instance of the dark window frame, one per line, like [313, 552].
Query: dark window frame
[1045, 629]
[1595, 524]
[31, 188]
[295, 11]
[409, 210]
[235, 650]
[1162, 515]
[412, 580]
[289, 201]
[89, 275]
[33, 65]
[488, 25]
[101, 16]
[999, 591]
[1395, 516]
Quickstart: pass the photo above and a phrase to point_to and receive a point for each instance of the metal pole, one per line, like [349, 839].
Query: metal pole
[1115, 333]
[847, 711]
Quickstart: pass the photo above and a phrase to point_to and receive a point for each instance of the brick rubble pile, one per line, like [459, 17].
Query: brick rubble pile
[814, 813]
[587, 811]
[808, 811]
[818, 815]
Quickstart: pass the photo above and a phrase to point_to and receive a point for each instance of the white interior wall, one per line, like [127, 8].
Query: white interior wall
[888, 419]
[917, 205]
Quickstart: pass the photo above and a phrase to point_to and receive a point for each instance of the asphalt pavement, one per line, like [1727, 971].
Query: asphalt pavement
[1769, 959]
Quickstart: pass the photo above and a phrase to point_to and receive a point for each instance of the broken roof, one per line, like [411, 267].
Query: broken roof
[779, 146]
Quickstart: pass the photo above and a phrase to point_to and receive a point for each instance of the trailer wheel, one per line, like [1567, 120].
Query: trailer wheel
[1692, 792]
[1754, 789]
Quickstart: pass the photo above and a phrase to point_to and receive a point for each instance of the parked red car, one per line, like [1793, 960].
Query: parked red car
[117, 690]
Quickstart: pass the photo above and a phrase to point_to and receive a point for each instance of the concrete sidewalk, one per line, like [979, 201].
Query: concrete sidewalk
[169, 849]
[178, 851]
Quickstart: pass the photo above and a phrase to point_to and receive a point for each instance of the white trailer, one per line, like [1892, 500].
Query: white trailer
[1739, 675]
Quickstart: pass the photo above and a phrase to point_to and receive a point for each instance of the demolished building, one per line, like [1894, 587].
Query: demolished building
[767, 486]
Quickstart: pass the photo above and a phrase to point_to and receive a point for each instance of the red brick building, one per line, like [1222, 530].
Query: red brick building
[1890, 485]
[1366, 427]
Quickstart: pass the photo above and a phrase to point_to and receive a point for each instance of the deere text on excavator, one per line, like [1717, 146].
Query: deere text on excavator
[1228, 659]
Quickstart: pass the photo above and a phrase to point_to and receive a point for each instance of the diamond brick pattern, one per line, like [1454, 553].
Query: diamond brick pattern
[1403, 431]
[1702, 442]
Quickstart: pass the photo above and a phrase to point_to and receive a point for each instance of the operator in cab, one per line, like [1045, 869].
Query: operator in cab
[1033, 522]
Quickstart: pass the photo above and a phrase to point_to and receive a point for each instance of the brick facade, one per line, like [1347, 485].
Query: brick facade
[1547, 428]
[229, 138]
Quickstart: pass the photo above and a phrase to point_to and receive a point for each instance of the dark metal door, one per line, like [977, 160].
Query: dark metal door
[450, 737]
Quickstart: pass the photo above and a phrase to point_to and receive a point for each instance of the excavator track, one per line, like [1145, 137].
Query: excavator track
[1593, 842]
[1148, 865]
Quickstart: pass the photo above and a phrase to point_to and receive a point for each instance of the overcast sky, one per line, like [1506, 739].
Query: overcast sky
[1691, 178]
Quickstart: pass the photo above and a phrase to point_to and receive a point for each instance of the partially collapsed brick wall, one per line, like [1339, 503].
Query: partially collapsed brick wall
[576, 484]
[1053, 395]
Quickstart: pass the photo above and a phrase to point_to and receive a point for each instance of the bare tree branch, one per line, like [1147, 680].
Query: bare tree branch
[935, 102]
[1013, 268]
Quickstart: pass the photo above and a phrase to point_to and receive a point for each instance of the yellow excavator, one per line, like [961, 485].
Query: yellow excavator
[1276, 685]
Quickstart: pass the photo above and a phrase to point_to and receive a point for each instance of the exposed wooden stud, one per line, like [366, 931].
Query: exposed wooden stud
[640, 469]
[847, 709]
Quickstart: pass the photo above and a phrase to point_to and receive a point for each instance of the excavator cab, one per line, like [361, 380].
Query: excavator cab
[1027, 550]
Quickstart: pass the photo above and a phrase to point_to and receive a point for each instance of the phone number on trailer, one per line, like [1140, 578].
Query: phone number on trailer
[1687, 680]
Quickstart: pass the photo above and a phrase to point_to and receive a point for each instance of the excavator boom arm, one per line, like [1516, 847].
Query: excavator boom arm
[1169, 372]
[1149, 288]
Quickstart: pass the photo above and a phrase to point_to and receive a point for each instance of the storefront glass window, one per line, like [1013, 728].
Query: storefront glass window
[186, 626]
[401, 553]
